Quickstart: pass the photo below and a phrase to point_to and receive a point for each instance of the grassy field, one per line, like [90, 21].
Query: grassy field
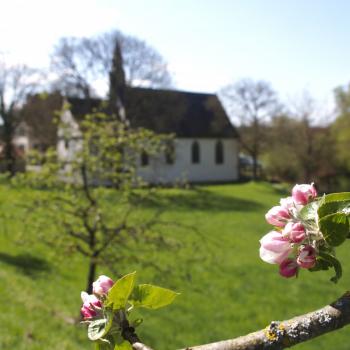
[226, 289]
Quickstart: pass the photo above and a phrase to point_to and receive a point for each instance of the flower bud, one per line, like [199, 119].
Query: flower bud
[277, 216]
[295, 231]
[302, 194]
[287, 203]
[307, 257]
[288, 268]
[102, 285]
[274, 248]
[87, 313]
[90, 304]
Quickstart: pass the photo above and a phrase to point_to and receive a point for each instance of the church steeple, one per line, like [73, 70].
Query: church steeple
[117, 84]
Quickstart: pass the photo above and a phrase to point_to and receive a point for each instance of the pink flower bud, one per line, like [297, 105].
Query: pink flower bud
[295, 231]
[288, 268]
[274, 248]
[302, 194]
[87, 313]
[307, 257]
[287, 203]
[277, 216]
[90, 305]
[102, 285]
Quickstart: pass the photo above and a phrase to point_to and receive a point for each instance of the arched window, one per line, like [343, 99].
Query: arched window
[219, 152]
[170, 153]
[195, 152]
[144, 158]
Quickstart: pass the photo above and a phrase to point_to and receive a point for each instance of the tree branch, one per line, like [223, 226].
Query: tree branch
[140, 346]
[129, 334]
[284, 334]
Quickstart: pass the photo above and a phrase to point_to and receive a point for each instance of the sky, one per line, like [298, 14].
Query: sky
[296, 45]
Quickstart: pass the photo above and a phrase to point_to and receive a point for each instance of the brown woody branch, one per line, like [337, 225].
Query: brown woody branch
[284, 334]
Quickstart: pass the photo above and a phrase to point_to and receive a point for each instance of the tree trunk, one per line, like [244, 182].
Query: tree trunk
[9, 152]
[255, 168]
[91, 275]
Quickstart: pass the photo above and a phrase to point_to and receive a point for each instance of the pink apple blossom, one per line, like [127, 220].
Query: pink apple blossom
[295, 231]
[277, 216]
[307, 257]
[287, 203]
[87, 313]
[90, 305]
[302, 194]
[288, 268]
[102, 285]
[274, 248]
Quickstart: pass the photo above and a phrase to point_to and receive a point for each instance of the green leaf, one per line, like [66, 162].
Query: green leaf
[308, 212]
[152, 297]
[336, 197]
[103, 345]
[119, 293]
[325, 261]
[335, 228]
[125, 345]
[334, 207]
[99, 328]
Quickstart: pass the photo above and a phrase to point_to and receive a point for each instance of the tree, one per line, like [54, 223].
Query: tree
[341, 132]
[38, 112]
[252, 103]
[94, 198]
[279, 156]
[279, 334]
[82, 63]
[16, 82]
[313, 145]
[300, 150]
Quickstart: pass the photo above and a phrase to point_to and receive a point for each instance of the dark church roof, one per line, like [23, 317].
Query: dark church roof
[185, 114]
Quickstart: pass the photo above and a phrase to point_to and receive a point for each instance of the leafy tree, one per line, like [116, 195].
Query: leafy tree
[341, 129]
[279, 156]
[299, 150]
[313, 145]
[93, 197]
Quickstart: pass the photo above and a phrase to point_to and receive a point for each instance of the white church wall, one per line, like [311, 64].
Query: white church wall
[22, 142]
[206, 170]
[182, 169]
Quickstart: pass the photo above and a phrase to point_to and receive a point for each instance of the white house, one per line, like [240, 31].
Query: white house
[205, 147]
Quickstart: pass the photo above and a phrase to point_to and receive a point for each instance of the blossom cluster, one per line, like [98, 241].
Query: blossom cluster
[92, 303]
[293, 242]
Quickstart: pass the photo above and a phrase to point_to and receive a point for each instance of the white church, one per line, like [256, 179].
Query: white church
[205, 148]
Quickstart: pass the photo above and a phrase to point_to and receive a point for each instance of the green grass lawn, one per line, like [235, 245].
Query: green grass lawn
[226, 290]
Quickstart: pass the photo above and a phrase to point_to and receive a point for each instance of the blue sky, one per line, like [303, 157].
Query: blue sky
[294, 44]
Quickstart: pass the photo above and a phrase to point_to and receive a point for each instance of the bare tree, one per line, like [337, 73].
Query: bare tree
[16, 82]
[252, 103]
[82, 63]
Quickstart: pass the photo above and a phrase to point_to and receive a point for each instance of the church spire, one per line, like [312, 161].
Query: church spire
[117, 84]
